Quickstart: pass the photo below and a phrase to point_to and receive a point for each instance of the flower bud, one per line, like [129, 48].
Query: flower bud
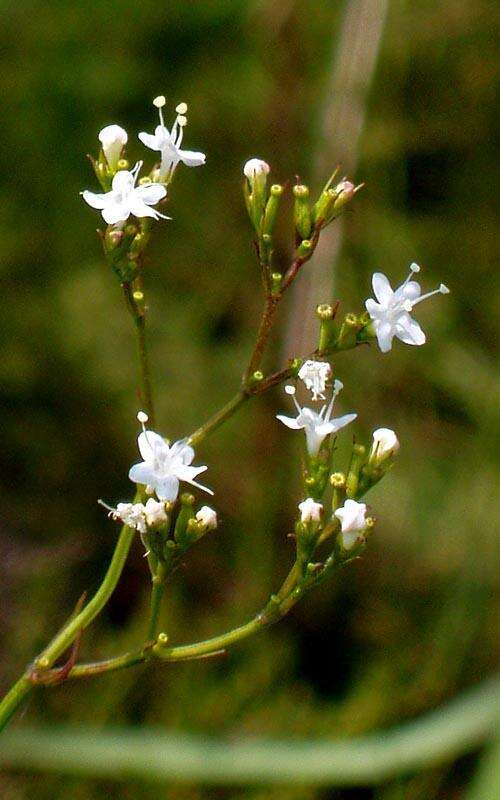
[345, 191]
[301, 211]
[256, 172]
[207, 518]
[271, 211]
[310, 510]
[113, 139]
[352, 518]
[385, 444]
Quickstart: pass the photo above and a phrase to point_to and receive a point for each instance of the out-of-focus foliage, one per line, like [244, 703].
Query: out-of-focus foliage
[414, 621]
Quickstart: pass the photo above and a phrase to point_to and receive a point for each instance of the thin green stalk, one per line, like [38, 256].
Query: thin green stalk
[157, 592]
[70, 631]
[218, 418]
[139, 316]
[264, 331]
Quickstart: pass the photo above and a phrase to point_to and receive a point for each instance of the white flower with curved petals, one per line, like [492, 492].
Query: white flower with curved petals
[391, 314]
[317, 425]
[169, 142]
[352, 518]
[125, 198]
[164, 465]
[113, 139]
[310, 511]
[315, 375]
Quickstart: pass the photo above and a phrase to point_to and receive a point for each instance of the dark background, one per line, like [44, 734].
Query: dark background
[413, 623]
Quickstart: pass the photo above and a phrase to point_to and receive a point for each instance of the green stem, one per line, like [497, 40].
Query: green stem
[264, 331]
[139, 316]
[157, 592]
[218, 418]
[70, 631]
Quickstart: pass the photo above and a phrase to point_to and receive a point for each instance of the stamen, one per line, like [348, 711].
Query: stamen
[159, 101]
[111, 511]
[181, 120]
[181, 108]
[442, 290]
[143, 418]
[290, 389]
[414, 268]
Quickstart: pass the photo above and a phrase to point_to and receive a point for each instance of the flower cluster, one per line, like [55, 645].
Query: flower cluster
[124, 198]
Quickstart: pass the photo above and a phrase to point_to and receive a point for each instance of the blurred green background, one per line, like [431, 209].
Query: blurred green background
[413, 623]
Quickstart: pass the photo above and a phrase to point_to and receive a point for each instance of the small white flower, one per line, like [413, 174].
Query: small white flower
[316, 425]
[155, 512]
[385, 442]
[164, 466]
[169, 142]
[352, 517]
[310, 511]
[255, 168]
[391, 314]
[131, 514]
[207, 517]
[125, 198]
[315, 375]
[113, 139]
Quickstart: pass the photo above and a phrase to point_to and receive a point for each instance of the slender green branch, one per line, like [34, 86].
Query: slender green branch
[218, 418]
[139, 315]
[157, 592]
[263, 334]
[73, 627]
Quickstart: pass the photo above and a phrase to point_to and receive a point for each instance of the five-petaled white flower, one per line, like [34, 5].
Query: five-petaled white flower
[385, 443]
[113, 138]
[315, 375]
[207, 517]
[310, 510]
[316, 425]
[165, 465]
[125, 198]
[391, 314]
[352, 518]
[169, 142]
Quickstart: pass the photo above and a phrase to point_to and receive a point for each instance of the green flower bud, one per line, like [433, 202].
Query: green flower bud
[301, 211]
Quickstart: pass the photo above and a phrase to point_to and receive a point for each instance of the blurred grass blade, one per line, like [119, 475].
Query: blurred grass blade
[436, 738]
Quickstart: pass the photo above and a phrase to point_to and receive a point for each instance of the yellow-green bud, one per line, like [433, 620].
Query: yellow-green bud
[301, 211]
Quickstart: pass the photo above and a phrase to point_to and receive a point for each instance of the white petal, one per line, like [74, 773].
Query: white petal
[141, 473]
[182, 451]
[341, 422]
[99, 201]
[148, 442]
[115, 212]
[374, 309]
[411, 291]
[168, 488]
[150, 140]
[191, 159]
[140, 209]
[409, 331]
[385, 334]
[381, 288]
[151, 194]
[123, 181]
[290, 422]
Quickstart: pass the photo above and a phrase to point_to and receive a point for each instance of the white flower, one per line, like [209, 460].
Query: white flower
[155, 512]
[164, 466]
[310, 511]
[131, 514]
[352, 517]
[113, 139]
[391, 314]
[385, 442]
[126, 198]
[207, 517]
[316, 425]
[169, 142]
[255, 168]
[315, 375]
